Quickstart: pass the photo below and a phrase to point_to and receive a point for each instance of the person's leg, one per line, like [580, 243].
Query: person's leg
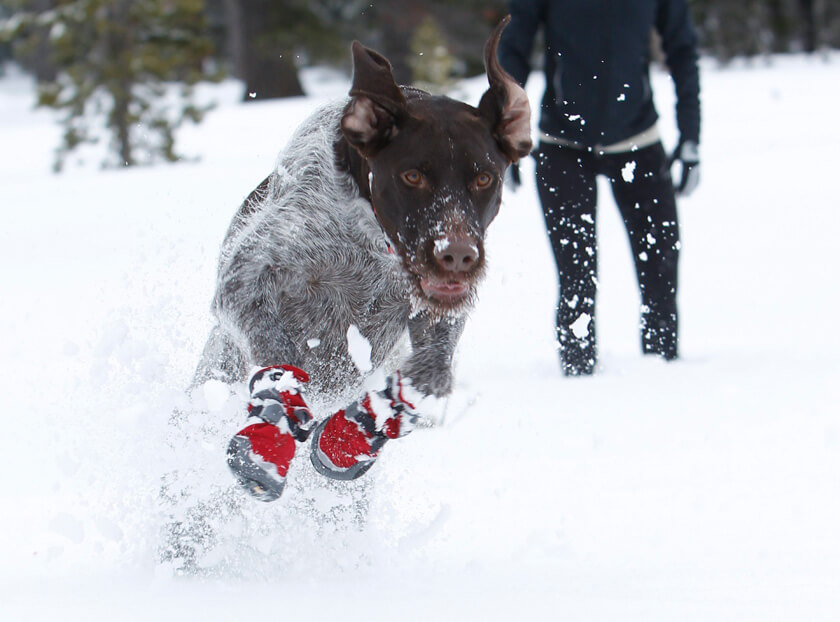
[567, 191]
[644, 192]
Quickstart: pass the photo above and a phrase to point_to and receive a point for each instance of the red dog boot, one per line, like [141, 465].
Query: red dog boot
[345, 445]
[259, 455]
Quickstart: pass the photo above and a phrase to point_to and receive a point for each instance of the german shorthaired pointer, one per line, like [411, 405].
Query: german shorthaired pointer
[370, 227]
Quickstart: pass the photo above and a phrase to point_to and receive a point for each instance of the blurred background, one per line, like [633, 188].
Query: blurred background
[121, 58]
[707, 490]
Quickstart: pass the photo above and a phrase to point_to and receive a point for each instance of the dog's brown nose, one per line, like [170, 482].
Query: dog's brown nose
[456, 255]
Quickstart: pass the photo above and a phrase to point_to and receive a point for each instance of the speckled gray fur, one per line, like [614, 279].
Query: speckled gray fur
[305, 258]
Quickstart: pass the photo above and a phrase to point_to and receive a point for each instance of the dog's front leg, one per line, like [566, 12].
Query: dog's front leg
[433, 343]
[269, 344]
[346, 444]
[250, 298]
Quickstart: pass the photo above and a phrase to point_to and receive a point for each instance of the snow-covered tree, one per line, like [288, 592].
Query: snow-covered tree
[126, 65]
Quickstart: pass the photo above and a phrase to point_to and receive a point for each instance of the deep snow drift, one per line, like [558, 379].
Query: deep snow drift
[707, 489]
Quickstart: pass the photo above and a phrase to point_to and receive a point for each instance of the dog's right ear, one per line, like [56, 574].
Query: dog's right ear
[377, 105]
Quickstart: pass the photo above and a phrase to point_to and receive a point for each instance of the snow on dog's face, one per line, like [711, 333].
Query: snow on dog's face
[436, 169]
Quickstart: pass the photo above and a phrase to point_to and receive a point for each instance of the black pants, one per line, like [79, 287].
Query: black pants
[643, 191]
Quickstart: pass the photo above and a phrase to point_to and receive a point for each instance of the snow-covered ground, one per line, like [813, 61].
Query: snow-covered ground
[706, 489]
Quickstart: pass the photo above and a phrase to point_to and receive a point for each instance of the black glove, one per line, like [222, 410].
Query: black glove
[689, 157]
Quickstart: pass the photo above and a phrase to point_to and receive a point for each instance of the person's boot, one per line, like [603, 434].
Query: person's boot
[578, 355]
[575, 333]
[659, 334]
[259, 455]
[346, 444]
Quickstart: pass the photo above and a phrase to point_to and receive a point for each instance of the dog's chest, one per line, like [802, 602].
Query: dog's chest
[357, 288]
[353, 287]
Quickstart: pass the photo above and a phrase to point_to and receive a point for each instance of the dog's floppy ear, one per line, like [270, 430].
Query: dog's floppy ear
[377, 104]
[505, 103]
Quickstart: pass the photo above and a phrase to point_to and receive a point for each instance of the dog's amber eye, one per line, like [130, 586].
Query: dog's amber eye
[413, 177]
[483, 180]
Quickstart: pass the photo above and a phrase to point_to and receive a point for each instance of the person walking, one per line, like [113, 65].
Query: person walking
[597, 117]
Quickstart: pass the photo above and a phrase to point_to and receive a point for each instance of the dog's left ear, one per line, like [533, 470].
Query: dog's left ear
[505, 103]
[377, 104]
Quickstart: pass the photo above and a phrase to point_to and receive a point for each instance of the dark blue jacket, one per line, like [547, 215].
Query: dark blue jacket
[597, 65]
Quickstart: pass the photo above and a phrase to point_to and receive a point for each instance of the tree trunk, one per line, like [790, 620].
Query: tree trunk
[118, 45]
[40, 59]
[400, 19]
[809, 18]
[268, 70]
[234, 35]
[120, 117]
[269, 77]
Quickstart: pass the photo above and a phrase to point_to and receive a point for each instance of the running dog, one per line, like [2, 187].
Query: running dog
[371, 226]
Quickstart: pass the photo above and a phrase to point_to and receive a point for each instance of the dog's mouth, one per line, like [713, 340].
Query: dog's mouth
[437, 289]
[445, 294]
[448, 290]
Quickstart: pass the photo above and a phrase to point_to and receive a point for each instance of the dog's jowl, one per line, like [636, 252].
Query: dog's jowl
[371, 226]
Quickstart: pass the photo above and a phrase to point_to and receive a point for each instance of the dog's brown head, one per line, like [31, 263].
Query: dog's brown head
[435, 168]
